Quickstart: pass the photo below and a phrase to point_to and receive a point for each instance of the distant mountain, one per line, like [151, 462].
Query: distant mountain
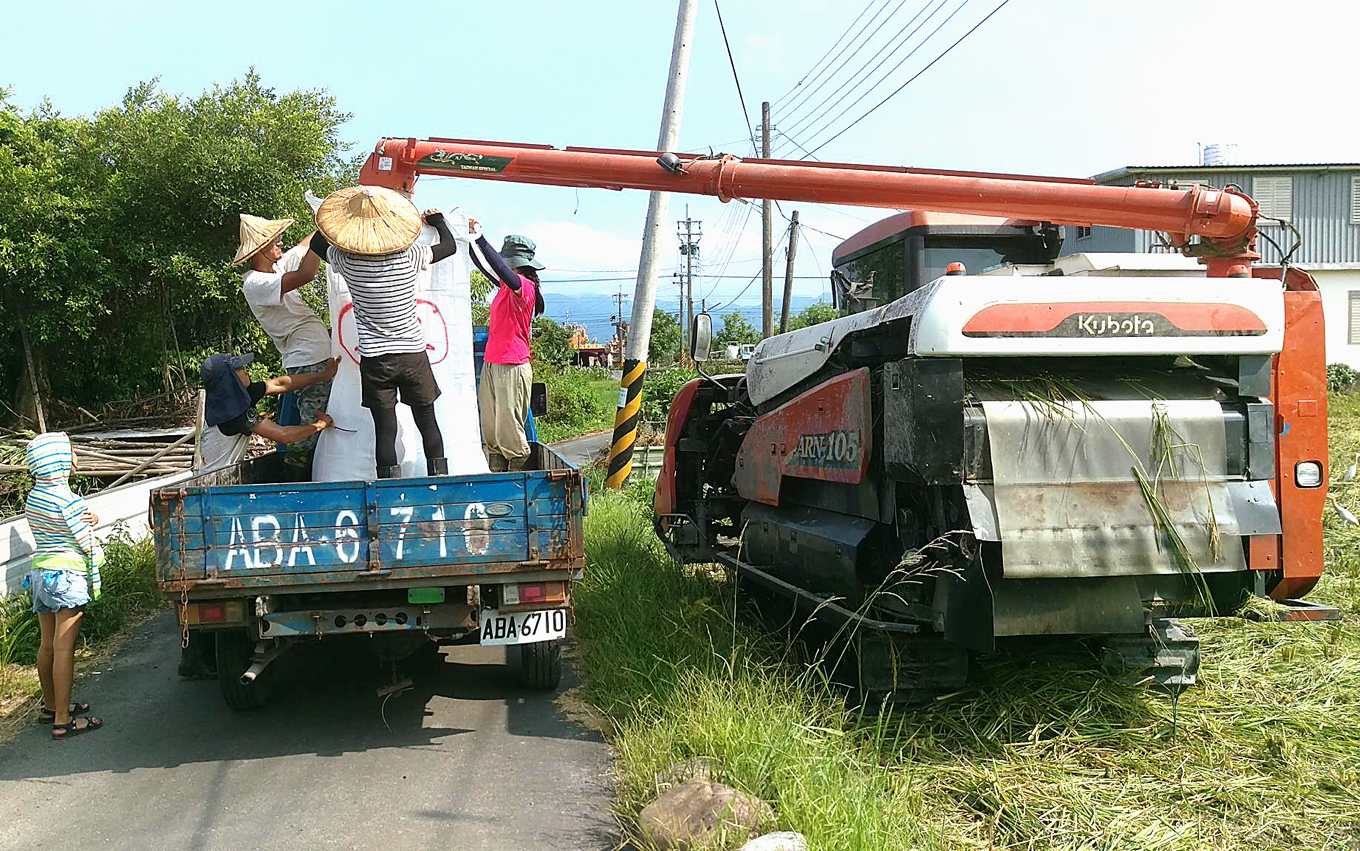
[596, 311]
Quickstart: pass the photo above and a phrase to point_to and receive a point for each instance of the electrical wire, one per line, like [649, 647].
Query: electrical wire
[745, 113]
[783, 240]
[883, 77]
[829, 51]
[913, 78]
[895, 45]
[850, 53]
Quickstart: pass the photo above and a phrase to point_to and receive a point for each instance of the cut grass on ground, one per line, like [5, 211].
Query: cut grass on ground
[1042, 751]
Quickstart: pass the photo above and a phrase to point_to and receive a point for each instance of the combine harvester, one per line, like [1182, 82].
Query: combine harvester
[961, 459]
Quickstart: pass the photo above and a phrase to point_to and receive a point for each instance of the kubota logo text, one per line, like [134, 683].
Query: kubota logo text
[1117, 324]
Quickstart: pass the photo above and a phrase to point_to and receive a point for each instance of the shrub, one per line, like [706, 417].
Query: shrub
[659, 388]
[1341, 378]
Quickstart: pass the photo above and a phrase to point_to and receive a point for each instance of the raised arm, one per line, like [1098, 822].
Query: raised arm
[446, 247]
[284, 383]
[306, 271]
[482, 250]
[270, 430]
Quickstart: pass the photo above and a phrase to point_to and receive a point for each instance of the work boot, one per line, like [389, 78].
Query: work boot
[393, 472]
[437, 466]
[496, 462]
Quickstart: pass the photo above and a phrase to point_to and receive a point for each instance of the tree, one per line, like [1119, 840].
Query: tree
[813, 314]
[481, 293]
[552, 343]
[117, 230]
[664, 346]
[736, 330]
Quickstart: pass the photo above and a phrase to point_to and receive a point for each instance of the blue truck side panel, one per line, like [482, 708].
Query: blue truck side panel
[326, 532]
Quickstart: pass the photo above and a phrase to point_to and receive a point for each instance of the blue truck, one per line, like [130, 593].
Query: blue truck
[256, 563]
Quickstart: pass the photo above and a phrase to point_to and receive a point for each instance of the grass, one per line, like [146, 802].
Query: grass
[580, 401]
[129, 592]
[1043, 750]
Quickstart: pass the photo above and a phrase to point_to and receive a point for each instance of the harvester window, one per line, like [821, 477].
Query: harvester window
[1083, 231]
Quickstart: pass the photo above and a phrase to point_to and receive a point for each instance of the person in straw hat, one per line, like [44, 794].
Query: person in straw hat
[371, 231]
[272, 287]
[503, 392]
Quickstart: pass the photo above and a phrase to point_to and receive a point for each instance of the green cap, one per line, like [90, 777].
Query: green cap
[519, 251]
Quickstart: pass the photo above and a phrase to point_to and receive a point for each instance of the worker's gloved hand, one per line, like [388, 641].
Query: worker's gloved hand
[474, 229]
[433, 216]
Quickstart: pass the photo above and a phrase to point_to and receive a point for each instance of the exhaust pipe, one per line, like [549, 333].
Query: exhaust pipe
[265, 652]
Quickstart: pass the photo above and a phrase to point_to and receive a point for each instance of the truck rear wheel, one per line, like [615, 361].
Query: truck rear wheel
[234, 650]
[540, 664]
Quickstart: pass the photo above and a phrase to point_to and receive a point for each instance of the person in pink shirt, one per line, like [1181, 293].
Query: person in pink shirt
[503, 394]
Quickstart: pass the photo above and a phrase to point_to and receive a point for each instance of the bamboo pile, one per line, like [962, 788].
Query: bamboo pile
[108, 457]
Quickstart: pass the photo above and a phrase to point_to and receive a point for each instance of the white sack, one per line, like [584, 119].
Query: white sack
[444, 303]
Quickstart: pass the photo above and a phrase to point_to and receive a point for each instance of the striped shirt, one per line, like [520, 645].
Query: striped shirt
[55, 514]
[383, 289]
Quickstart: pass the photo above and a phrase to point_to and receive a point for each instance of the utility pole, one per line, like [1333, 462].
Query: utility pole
[690, 231]
[767, 234]
[644, 298]
[788, 272]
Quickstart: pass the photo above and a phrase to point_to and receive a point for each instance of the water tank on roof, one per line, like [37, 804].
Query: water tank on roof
[1218, 153]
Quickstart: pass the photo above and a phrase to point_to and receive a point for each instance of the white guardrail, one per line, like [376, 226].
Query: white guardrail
[120, 509]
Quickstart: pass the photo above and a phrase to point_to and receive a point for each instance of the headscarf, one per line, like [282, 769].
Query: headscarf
[224, 397]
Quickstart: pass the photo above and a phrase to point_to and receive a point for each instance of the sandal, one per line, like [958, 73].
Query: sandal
[47, 716]
[75, 728]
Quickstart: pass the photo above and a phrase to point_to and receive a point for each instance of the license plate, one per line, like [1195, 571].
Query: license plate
[522, 627]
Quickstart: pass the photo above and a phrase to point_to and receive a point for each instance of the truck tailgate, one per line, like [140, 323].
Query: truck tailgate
[224, 535]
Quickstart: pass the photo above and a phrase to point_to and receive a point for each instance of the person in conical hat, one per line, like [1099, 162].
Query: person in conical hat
[272, 287]
[372, 231]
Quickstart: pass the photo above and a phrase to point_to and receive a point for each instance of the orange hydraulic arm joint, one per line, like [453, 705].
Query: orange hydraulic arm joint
[1223, 219]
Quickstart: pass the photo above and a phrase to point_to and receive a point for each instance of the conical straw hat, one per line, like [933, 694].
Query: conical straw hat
[256, 233]
[368, 220]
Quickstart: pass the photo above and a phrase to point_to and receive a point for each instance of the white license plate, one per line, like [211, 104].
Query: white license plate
[522, 627]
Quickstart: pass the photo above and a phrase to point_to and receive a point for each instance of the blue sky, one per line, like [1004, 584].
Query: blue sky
[1046, 86]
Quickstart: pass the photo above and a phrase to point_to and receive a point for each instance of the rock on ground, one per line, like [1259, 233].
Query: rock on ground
[697, 811]
[787, 840]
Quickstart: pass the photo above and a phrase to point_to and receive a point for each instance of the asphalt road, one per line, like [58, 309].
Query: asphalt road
[467, 760]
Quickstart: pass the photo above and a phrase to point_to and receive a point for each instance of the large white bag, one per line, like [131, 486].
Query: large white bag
[444, 302]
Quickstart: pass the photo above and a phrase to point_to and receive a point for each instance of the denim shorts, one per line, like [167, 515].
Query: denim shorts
[57, 589]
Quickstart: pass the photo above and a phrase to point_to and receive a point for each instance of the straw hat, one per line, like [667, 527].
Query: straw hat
[256, 233]
[368, 220]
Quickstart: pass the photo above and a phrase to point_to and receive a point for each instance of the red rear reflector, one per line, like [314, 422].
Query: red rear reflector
[530, 593]
[212, 613]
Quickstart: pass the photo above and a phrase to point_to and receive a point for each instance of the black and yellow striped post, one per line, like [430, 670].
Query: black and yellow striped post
[626, 424]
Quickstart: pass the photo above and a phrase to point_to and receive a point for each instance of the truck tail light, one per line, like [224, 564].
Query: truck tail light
[534, 593]
[219, 612]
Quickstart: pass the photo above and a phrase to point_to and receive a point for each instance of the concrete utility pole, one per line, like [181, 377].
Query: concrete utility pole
[788, 272]
[690, 231]
[767, 235]
[644, 298]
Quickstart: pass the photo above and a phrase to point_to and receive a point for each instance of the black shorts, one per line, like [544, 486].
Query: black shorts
[382, 376]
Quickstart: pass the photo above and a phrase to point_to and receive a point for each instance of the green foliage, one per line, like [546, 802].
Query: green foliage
[659, 388]
[664, 346]
[552, 343]
[813, 314]
[116, 229]
[579, 401]
[1341, 378]
[481, 293]
[736, 329]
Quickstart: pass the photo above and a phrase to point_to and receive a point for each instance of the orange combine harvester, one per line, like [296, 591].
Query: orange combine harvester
[1040, 446]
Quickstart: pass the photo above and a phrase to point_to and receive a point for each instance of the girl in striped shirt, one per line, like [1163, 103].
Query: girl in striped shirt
[64, 577]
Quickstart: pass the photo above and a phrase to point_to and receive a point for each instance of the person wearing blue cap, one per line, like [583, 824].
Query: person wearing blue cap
[229, 417]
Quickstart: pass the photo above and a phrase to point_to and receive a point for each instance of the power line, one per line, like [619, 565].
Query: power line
[782, 239]
[912, 79]
[856, 80]
[829, 51]
[745, 114]
[849, 54]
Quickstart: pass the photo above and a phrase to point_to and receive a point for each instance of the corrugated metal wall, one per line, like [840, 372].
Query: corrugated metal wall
[1321, 212]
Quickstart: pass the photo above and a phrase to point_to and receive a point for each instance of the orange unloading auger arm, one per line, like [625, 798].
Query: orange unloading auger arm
[1223, 219]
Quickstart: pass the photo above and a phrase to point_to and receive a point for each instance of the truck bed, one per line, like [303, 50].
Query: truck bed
[247, 529]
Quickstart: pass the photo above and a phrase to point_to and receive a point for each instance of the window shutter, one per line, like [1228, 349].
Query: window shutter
[1275, 195]
[1353, 328]
[1355, 200]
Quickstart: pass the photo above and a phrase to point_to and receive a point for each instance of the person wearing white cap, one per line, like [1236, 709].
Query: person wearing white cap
[368, 235]
[272, 287]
